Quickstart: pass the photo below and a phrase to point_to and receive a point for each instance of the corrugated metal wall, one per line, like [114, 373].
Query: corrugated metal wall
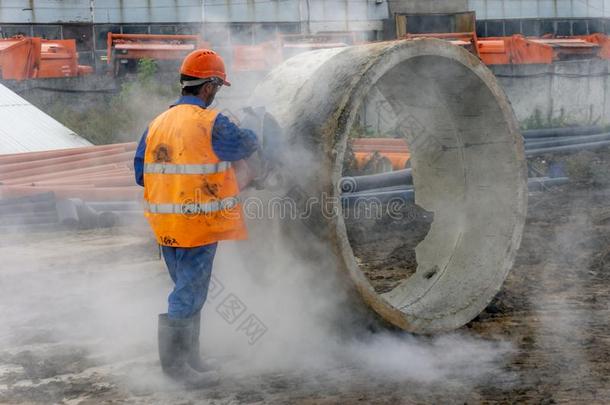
[195, 11]
[44, 11]
[317, 11]
[506, 9]
[146, 11]
[251, 11]
[427, 6]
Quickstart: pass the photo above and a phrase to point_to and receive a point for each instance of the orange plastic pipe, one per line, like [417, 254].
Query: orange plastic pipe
[87, 177]
[123, 171]
[60, 174]
[47, 154]
[11, 167]
[102, 181]
[98, 161]
[398, 160]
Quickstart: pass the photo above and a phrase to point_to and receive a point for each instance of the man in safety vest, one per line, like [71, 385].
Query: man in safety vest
[191, 202]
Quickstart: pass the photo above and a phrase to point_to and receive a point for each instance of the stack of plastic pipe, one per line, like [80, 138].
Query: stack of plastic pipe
[398, 185]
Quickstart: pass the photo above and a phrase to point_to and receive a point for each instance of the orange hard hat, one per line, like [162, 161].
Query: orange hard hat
[204, 64]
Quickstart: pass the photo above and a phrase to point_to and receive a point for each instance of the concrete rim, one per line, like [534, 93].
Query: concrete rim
[475, 242]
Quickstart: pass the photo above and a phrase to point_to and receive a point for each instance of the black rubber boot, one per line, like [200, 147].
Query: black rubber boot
[194, 359]
[175, 340]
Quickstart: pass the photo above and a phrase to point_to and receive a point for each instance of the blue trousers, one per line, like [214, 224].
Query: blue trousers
[191, 270]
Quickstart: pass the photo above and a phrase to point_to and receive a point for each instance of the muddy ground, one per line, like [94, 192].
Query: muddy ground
[385, 247]
[64, 340]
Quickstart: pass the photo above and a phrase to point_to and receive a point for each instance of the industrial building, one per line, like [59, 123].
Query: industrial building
[231, 22]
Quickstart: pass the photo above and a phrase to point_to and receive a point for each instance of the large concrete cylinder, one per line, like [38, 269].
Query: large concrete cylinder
[467, 159]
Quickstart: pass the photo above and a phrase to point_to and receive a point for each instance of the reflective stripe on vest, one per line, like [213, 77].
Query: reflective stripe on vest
[168, 168]
[192, 208]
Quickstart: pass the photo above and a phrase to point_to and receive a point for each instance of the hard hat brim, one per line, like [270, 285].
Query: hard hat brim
[188, 83]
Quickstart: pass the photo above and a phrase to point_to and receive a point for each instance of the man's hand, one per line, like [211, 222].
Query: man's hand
[266, 160]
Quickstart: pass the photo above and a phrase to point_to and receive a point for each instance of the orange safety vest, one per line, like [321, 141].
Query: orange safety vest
[191, 196]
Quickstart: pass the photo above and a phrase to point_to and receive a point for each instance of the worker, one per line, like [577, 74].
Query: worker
[183, 161]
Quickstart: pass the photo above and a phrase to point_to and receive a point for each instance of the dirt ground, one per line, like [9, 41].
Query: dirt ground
[385, 248]
[553, 312]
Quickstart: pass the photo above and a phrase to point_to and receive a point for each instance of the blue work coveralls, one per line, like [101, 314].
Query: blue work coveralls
[191, 268]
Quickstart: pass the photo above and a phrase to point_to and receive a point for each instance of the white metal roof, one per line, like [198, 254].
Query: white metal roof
[25, 128]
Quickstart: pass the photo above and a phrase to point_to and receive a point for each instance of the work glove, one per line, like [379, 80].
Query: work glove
[265, 161]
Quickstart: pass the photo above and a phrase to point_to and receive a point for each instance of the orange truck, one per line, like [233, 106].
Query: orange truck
[124, 50]
[466, 40]
[265, 56]
[600, 39]
[24, 58]
[521, 50]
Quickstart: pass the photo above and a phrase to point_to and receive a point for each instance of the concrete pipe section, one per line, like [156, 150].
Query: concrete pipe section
[466, 154]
